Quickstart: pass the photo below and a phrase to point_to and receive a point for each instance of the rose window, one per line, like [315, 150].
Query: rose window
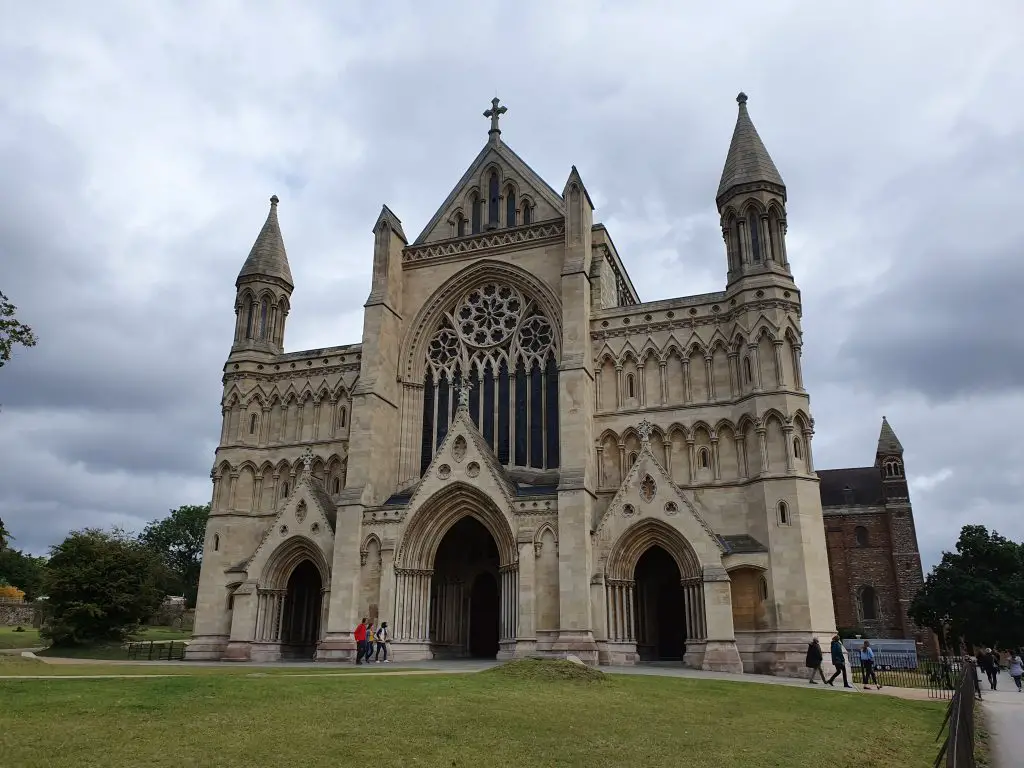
[495, 354]
[489, 315]
[536, 335]
[444, 347]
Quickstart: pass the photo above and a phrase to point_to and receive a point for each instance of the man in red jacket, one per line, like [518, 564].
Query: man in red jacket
[360, 641]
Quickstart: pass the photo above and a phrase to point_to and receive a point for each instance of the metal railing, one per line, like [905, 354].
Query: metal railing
[957, 750]
[156, 650]
[939, 678]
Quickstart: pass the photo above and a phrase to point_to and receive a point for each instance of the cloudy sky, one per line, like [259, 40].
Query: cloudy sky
[139, 143]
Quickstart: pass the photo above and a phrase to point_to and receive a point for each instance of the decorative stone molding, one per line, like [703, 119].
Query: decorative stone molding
[499, 239]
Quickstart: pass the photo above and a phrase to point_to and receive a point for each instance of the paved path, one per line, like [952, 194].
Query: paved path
[410, 668]
[1004, 715]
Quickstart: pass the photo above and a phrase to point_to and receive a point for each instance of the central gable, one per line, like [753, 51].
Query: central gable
[520, 193]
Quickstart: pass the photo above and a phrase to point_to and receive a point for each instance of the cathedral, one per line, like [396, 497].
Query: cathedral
[521, 457]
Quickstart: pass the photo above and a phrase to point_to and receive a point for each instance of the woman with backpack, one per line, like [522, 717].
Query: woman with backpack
[383, 638]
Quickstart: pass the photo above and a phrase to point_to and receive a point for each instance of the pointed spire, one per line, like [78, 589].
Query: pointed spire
[888, 443]
[748, 161]
[388, 216]
[575, 178]
[268, 257]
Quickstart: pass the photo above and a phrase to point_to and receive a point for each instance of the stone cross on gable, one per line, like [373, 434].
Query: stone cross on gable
[462, 394]
[645, 428]
[495, 112]
[307, 460]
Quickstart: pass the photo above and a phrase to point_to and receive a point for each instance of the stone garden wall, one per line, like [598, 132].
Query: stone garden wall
[20, 613]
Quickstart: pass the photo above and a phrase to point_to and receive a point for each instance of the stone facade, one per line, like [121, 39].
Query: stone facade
[521, 457]
[872, 544]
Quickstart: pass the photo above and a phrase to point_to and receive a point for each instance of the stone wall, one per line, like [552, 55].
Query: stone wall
[13, 614]
[866, 562]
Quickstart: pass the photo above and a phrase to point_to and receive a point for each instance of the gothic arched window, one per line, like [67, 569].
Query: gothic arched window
[747, 370]
[631, 459]
[342, 413]
[337, 485]
[252, 424]
[860, 533]
[264, 312]
[493, 200]
[510, 207]
[630, 385]
[504, 350]
[250, 320]
[704, 458]
[869, 608]
[474, 214]
[798, 451]
[527, 212]
[216, 542]
[783, 513]
[460, 225]
[754, 226]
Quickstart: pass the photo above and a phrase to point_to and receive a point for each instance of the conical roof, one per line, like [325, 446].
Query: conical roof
[888, 443]
[748, 161]
[268, 257]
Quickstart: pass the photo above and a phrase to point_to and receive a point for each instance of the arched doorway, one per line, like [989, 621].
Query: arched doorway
[464, 592]
[483, 617]
[660, 607]
[300, 614]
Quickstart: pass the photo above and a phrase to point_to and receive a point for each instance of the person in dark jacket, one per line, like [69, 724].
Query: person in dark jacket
[814, 657]
[839, 661]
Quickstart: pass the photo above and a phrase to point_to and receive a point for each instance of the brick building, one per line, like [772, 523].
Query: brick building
[872, 544]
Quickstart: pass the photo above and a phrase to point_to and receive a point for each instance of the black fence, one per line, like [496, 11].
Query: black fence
[939, 678]
[153, 650]
[957, 750]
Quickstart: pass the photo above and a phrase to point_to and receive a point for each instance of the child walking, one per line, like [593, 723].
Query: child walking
[1016, 668]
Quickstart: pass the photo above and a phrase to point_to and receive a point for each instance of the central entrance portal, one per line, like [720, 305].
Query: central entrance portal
[660, 607]
[300, 617]
[464, 593]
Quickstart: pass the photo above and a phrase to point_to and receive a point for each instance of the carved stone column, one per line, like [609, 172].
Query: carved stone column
[780, 371]
[692, 454]
[264, 435]
[808, 434]
[618, 386]
[687, 397]
[316, 419]
[667, 445]
[798, 373]
[755, 364]
[641, 385]
[710, 374]
[600, 466]
[734, 388]
[597, 389]
[787, 432]
[663, 375]
[714, 458]
[622, 462]
[762, 438]
[741, 454]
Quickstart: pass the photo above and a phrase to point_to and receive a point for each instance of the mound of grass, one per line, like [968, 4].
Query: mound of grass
[545, 670]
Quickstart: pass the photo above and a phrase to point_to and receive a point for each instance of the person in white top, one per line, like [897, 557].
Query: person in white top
[1016, 668]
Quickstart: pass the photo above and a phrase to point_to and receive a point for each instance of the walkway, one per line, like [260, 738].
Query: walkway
[1004, 716]
[437, 667]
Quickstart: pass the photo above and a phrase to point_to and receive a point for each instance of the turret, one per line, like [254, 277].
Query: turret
[751, 201]
[264, 288]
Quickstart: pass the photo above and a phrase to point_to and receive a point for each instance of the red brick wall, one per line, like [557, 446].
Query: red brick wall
[853, 567]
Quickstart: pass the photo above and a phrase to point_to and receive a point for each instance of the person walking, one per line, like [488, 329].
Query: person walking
[1016, 668]
[867, 666]
[993, 675]
[839, 661]
[360, 638]
[383, 638]
[813, 661]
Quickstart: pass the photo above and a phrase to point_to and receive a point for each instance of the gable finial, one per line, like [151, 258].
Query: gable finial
[307, 460]
[495, 113]
[644, 429]
[462, 395]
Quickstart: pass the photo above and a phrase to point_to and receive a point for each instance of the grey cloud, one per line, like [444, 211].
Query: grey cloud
[140, 158]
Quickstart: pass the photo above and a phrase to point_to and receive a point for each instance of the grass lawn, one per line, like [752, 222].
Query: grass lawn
[480, 720]
[27, 639]
[20, 667]
[117, 651]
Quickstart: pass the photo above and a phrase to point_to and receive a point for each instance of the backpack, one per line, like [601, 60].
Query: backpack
[382, 635]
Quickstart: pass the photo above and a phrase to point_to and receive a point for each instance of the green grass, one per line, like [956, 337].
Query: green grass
[27, 639]
[118, 651]
[21, 667]
[494, 718]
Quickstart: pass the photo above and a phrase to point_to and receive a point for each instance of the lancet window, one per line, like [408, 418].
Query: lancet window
[504, 350]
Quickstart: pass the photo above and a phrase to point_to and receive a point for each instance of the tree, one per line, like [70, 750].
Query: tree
[977, 591]
[11, 331]
[23, 571]
[100, 586]
[178, 539]
[5, 536]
